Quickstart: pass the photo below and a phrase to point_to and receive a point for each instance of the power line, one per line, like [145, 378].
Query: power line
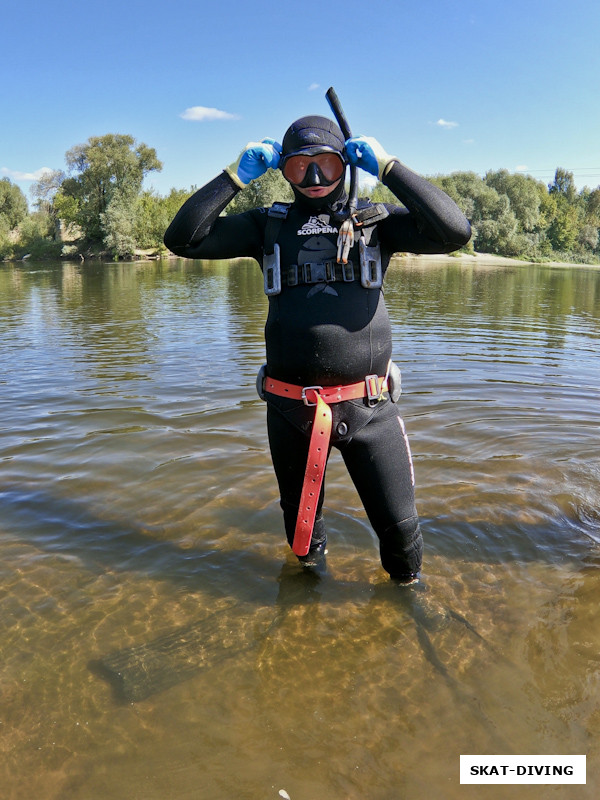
[568, 169]
[580, 174]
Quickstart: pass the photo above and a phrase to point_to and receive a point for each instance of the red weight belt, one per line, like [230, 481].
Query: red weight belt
[321, 397]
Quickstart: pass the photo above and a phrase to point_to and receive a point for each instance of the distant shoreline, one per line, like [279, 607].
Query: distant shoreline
[486, 259]
[479, 259]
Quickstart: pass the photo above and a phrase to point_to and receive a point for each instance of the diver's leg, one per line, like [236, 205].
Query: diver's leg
[379, 461]
[289, 452]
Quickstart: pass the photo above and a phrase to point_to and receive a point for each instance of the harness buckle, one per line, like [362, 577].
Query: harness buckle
[279, 210]
[347, 272]
[272, 271]
[306, 389]
[318, 272]
[371, 273]
[374, 385]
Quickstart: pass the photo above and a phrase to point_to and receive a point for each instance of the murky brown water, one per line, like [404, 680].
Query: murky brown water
[137, 500]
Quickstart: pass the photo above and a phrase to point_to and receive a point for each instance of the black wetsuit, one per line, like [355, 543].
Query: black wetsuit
[332, 333]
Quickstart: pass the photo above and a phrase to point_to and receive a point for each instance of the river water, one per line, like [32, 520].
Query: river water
[159, 641]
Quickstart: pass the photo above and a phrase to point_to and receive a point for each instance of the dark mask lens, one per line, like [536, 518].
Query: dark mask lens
[330, 168]
[330, 165]
[295, 168]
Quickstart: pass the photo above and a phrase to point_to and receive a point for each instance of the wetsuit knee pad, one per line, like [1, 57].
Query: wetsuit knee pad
[401, 548]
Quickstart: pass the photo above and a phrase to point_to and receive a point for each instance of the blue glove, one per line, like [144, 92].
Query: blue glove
[254, 161]
[366, 153]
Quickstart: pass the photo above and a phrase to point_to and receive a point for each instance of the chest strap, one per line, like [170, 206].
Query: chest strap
[321, 397]
[317, 272]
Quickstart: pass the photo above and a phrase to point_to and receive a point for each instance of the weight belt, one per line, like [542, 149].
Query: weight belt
[321, 397]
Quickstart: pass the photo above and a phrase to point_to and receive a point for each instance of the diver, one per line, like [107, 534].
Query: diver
[329, 379]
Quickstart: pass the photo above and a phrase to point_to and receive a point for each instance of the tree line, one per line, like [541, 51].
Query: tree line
[98, 206]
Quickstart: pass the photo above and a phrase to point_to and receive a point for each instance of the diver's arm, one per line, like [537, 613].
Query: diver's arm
[194, 220]
[436, 215]
[438, 225]
[197, 230]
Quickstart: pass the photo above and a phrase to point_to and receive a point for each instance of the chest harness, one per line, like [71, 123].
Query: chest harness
[322, 397]
[369, 270]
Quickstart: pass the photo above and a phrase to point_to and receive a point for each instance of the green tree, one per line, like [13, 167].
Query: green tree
[548, 209]
[118, 224]
[13, 205]
[563, 185]
[105, 166]
[153, 214]
[573, 230]
[587, 237]
[264, 191]
[151, 220]
[593, 205]
[492, 219]
[380, 194]
[563, 230]
[37, 237]
[495, 224]
[590, 223]
[6, 245]
[44, 191]
[524, 195]
[463, 188]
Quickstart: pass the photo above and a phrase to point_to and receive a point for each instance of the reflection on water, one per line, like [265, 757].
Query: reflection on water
[158, 639]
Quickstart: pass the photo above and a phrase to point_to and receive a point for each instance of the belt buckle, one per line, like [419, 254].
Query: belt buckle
[314, 272]
[374, 385]
[306, 389]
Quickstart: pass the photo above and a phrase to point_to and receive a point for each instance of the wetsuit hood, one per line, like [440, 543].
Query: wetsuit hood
[311, 135]
[312, 132]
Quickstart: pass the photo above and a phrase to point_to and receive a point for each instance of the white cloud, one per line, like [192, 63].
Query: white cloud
[521, 168]
[367, 182]
[442, 123]
[16, 175]
[204, 114]
[313, 86]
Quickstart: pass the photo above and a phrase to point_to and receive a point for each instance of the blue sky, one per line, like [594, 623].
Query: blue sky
[445, 86]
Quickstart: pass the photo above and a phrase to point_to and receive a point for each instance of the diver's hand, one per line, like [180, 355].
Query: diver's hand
[366, 152]
[254, 161]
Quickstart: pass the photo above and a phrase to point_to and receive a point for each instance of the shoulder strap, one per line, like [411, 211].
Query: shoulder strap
[369, 214]
[275, 216]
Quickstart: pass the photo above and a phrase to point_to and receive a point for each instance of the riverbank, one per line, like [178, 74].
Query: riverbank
[488, 259]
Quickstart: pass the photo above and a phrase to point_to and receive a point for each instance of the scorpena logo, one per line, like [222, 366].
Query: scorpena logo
[317, 225]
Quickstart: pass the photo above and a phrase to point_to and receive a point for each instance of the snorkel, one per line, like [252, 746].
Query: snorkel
[346, 234]
[340, 118]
